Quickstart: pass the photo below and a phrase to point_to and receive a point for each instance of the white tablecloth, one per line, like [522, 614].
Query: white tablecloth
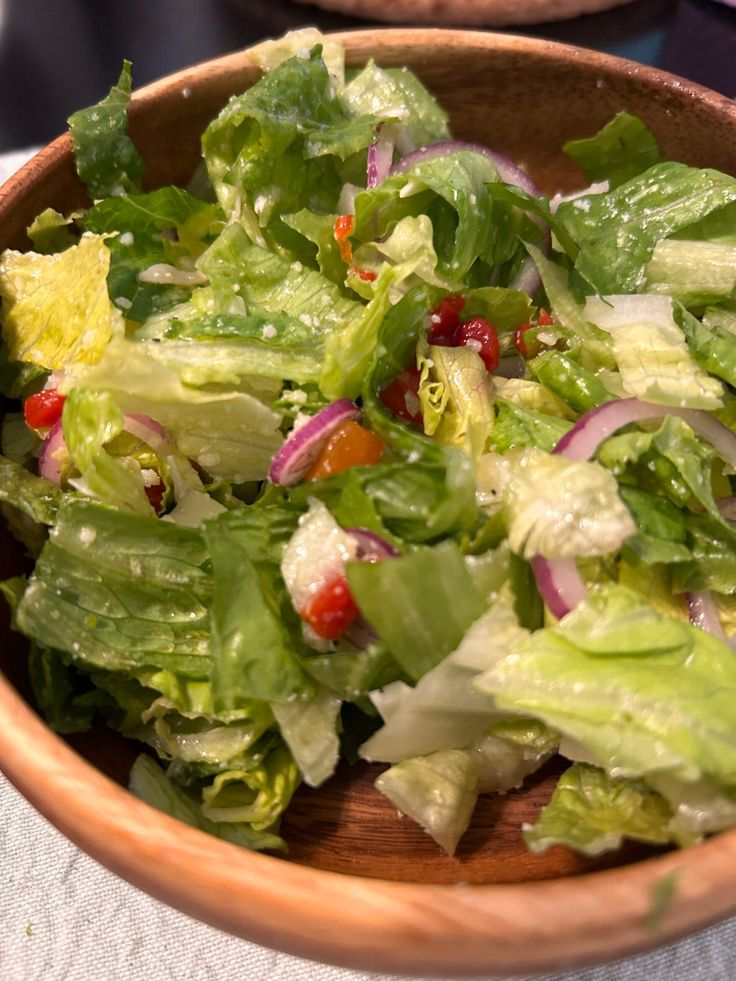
[63, 917]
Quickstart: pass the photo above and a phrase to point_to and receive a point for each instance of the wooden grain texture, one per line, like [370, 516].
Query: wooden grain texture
[400, 904]
[490, 13]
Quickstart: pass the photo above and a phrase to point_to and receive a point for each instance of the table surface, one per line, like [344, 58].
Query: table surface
[62, 916]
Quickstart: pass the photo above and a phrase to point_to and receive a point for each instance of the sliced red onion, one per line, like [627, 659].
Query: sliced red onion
[380, 155]
[558, 580]
[511, 367]
[703, 613]
[591, 429]
[509, 172]
[559, 584]
[372, 547]
[360, 634]
[54, 448]
[727, 507]
[302, 447]
[527, 279]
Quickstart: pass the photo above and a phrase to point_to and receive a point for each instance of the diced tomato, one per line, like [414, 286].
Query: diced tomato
[519, 339]
[480, 335]
[343, 230]
[544, 319]
[350, 445]
[155, 494]
[331, 610]
[444, 320]
[43, 409]
[401, 396]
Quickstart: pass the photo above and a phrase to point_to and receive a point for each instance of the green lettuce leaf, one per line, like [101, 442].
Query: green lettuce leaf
[256, 796]
[120, 592]
[632, 690]
[254, 656]
[593, 813]
[652, 353]
[231, 434]
[517, 426]
[420, 604]
[455, 398]
[695, 273]
[37, 498]
[623, 149]
[105, 156]
[563, 508]
[617, 232]
[56, 309]
[712, 345]
[90, 421]
[308, 728]
[50, 232]
[149, 782]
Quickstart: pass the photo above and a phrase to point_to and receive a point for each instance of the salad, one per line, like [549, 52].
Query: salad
[362, 447]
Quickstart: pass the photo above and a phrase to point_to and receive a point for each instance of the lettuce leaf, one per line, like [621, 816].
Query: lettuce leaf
[120, 592]
[517, 426]
[56, 309]
[652, 353]
[623, 149]
[632, 690]
[455, 398]
[562, 508]
[34, 496]
[50, 232]
[593, 813]
[616, 232]
[254, 655]
[695, 273]
[256, 796]
[149, 782]
[420, 604]
[106, 158]
[308, 728]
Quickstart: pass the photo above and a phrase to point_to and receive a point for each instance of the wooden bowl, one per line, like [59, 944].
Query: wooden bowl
[493, 908]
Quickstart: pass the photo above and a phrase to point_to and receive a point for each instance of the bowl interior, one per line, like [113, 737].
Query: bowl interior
[524, 98]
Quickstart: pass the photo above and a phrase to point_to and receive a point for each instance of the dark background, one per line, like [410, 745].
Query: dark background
[59, 55]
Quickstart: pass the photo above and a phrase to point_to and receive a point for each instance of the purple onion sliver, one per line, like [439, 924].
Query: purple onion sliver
[703, 613]
[293, 460]
[360, 634]
[591, 429]
[380, 155]
[511, 367]
[527, 279]
[727, 507]
[509, 172]
[372, 546]
[559, 584]
[146, 429]
[49, 466]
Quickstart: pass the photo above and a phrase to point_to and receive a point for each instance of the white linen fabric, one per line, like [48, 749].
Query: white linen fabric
[63, 917]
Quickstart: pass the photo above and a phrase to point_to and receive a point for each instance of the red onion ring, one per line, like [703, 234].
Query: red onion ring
[144, 428]
[727, 507]
[509, 172]
[52, 448]
[301, 448]
[360, 634]
[372, 547]
[558, 581]
[703, 613]
[380, 155]
[527, 279]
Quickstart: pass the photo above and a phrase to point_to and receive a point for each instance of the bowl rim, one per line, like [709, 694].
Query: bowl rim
[386, 925]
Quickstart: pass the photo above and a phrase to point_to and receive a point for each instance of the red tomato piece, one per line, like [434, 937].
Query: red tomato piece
[444, 320]
[43, 409]
[401, 396]
[350, 445]
[155, 494]
[331, 611]
[343, 230]
[544, 318]
[480, 335]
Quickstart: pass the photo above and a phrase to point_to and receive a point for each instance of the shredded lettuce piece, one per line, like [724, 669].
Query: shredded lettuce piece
[454, 395]
[623, 149]
[56, 309]
[309, 730]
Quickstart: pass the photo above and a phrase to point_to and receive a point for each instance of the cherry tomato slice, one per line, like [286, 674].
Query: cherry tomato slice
[331, 610]
[480, 335]
[350, 445]
[401, 396]
[155, 494]
[43, 409]
[444, 320]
